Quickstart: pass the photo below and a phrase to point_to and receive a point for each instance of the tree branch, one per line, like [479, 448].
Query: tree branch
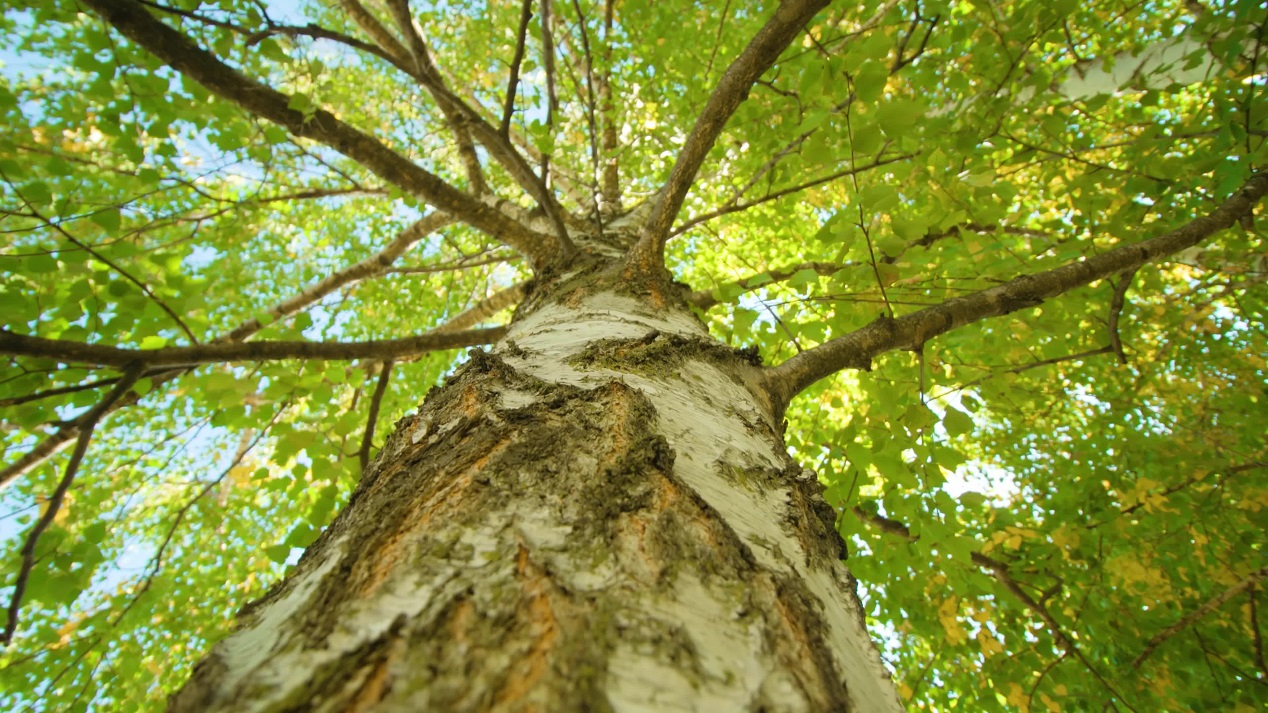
[85, 423]
[704, 299]
[1116, 312]
[372, 265]
[611, 180]
[734, 206]
[368, 267]
[732, 89]
[1000, 572]
[857, 349]
[77, 352]
[183, 55]
[1211, 605]
[498, 145]
[485, 308]
[367, 441]
[512, 84]
[375, 29]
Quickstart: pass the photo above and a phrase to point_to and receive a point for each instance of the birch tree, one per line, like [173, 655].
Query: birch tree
[632, 355]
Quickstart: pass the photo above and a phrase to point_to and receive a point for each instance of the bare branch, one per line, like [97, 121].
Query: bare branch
[732, 89]
[181, 53]
[77, 352]
[857, 349]
[85, 423]
[1211, 605]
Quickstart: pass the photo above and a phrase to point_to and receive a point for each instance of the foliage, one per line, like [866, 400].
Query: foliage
[1058, 508]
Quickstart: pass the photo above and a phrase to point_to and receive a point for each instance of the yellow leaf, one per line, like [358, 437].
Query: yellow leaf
[1017, 697]
[1049, 703]
[990, 645]
[947, 614]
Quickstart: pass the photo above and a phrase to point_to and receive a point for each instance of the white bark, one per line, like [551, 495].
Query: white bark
[660, 614]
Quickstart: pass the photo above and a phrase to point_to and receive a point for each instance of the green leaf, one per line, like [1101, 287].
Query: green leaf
[36, 193]
[804, 278]
[869, 81]
[278, 553]
[957, 422]
[898, 115]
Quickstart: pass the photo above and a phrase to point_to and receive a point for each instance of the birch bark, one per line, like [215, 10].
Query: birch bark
[597, 514]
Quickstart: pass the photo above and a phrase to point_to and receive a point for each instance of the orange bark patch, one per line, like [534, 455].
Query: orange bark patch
[539, 616]
[792, 628]
[573, 299]
[376, 680]
[374, 565]
[461, 622]
[470, 403]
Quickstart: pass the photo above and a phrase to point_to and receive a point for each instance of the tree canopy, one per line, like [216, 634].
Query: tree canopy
[242, 237]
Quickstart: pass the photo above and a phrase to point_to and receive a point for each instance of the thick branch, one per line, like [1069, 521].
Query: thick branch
[732, 89]
[857, 349]
[368, 267]
[462, 114]
[133, 21]
[69, 352]
[375, 29]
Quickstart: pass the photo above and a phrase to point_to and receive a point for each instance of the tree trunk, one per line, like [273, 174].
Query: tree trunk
[599, 514]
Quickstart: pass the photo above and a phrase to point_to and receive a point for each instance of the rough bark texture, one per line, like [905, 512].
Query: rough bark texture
[599, 514]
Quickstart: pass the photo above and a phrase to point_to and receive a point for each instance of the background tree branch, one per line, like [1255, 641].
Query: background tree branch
[857, 349]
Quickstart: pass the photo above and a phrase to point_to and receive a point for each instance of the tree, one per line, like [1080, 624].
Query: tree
[973, 290]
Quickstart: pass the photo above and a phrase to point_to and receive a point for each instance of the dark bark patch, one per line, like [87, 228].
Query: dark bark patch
[794, 630]
[658, 355]
[812, 519]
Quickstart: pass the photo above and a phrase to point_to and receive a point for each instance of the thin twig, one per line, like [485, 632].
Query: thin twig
[367, 441]
[508, 110]
[1116, 311]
